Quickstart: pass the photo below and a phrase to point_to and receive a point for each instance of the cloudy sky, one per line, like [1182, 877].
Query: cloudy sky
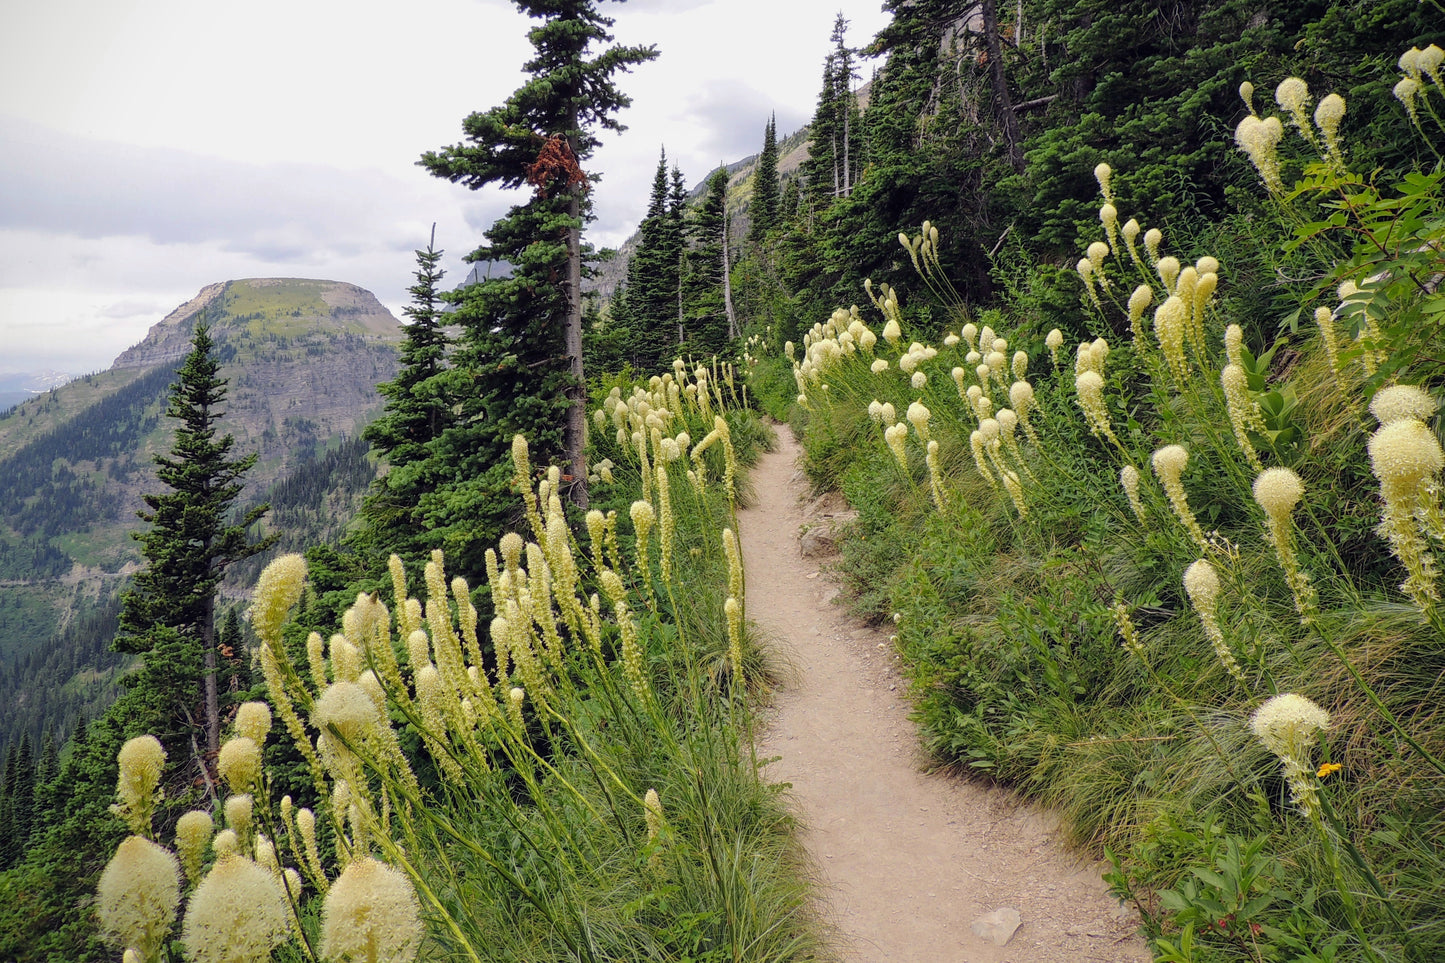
[150, 147]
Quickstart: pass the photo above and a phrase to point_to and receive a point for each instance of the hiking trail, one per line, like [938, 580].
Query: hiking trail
[911, 863]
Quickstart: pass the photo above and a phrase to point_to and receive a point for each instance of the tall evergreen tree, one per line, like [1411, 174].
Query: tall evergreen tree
[765, 184]
[706, 283]
[418, 410]
[648, 307]
[169, 614]
[521, 350]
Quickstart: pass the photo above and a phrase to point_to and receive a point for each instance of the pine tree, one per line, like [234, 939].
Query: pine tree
[169, 614]
[521, 350]
[765, 184]
[648, 306]
[418, 410]
[706, 282]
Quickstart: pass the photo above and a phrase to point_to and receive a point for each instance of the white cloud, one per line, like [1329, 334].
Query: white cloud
[150, 147]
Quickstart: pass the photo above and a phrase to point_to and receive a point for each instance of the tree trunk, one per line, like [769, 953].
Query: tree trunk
[728, 281]
[213, 704]
[575, 432]
[1000, 86]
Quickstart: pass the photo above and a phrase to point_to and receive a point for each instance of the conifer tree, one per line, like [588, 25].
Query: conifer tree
[707, 282]
[765, 184]
[418, 409]
[169, 614]
[521, 349]
[648, 307]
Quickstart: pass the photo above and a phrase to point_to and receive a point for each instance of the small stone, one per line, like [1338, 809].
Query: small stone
[999, 926]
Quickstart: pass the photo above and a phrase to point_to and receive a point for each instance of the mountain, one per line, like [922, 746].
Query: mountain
[15, 388]
[303, 358]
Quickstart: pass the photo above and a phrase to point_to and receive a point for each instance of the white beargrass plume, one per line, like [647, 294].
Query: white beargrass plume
[1168, 269]
[1202, 584]
[193, 835]
[918, 415]
[1293, 94]
[1054, 340]
[1406, 457]
[1171, 320]
[138, 788]
[1244, 413]
[1169, 463]
[1090, 390]
[1138, 301]
[238, 914]
[1325, 321]
[137, 896]
[1130, 232]
[1288, 725]
[895, 435]
[980, 456]
[1119, 612]
[1278, 491]
[1109, 217]
[1405, 92]
[1259, 139]
[1152, 239]
[935, 474]
[1246, 94]
[1129, 481]
[1402, 403]
[1328, 115]
[371, 913]
[1102, 173]
[1021, 396]
[239, 764]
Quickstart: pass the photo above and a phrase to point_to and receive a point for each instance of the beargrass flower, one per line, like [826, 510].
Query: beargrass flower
[1152, 239]
[1170, 320]
[1409, 63]
[1021, 396]
[892, 332]
[138, 787]
[918, 415]
[1405, 92]
[1130, 232]
[253, 720]
[1402, 403]
[1406, 457]
[1102, 173]
[1259, 139]
[1202, 584]
[1168, 268]
[1278, 491]
[1119, 612]
[1086, 270]
[1169, 463]
[238, 914]
[895, 435]
[878, 365]
[371, 913]
[1141, 298]
[193, 836]
[733, 613]
[1288, 725]
[1429, 60]
[919, 381]
[1129, 481]
[1234, 344]
[1054, 340]
[1328, 115]
[1097, 252]
[1015, 491]
[1293, 95]
[239, 763]
[1246, 94]
[1090, 389]
[980, 457]
[277, 592]
[1109, 217]
[1019, 365]
[1244, 412]
[137, 896]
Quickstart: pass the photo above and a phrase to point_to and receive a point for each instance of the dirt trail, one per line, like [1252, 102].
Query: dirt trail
[910, 861]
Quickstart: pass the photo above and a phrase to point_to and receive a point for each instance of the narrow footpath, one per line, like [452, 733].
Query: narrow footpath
[914, 866]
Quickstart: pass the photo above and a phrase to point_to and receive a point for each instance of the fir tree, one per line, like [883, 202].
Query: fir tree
[765, 184]
[706, 282]
[169, 615]
[418, 410]
[520, 358]
[648, 306]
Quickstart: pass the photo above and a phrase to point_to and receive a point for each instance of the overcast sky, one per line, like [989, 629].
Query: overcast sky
[151, 147]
